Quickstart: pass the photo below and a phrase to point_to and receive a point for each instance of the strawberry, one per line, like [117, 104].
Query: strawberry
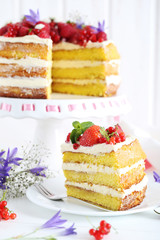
[91, 136]
[3, 30]
[23, 31]
[66, 31]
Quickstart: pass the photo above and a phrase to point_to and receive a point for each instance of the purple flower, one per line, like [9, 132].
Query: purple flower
[79, 25]
[54, 222]
[156, 177]
[38, 171]
[33, 17]
[68, 231]
[11, 157]
[100, 28]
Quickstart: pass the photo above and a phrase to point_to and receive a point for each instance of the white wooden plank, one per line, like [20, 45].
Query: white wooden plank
[130, 30]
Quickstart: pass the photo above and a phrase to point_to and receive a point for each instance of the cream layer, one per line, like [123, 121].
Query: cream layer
[93, 168]
[24, 82]
[112, 79]
[110, 191]
[82, 64]
[27, 39]
[71, 46]
[27, 62]
[97, 148]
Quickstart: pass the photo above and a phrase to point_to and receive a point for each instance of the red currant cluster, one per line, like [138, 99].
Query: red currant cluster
[102, 230]
[4, 212]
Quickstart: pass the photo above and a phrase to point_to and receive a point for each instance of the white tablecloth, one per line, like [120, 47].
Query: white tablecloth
[137, 226]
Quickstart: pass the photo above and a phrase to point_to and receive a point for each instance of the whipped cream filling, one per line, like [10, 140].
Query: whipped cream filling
[112, 79]
[71, 46]
[93, 168]
[97, 148]
[25, 82]
[27, 62]
[27, 39]
[82, 64]
[110, 191]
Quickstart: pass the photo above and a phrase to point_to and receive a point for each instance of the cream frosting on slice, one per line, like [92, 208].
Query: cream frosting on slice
[25, 82]
[71, 46]
[110, 191]
[93, 168]
[97, 148]
[82, 64]
[27, 62]
[27, 39]
[112, 79]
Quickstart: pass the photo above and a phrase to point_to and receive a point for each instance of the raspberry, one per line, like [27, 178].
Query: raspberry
[91, 136]
[101, 36]
[44, 34]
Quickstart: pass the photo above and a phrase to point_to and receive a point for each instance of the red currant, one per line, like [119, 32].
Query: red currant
[3, 204]
[98, 235]
[92, 231]
[13, 216]
[112, 140]
[76, 145]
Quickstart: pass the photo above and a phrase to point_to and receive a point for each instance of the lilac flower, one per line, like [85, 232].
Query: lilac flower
[156, 177]
[33, 17]
[100, 28]
[38, 171]
[54, 222]
[68, 231]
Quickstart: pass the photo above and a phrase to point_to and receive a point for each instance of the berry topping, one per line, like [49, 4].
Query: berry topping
[87, 134]
[58, 31]
[76, 145]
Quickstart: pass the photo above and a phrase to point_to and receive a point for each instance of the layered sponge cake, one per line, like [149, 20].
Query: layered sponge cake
[91, 70]
[84, 62]
[104, 167]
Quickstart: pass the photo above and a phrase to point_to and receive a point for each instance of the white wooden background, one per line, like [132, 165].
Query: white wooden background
[134, 25]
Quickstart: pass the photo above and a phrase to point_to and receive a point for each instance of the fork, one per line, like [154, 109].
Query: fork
[46, 193]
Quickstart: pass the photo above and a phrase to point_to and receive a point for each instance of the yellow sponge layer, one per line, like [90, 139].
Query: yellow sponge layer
[20, 50]
[106, 201]
[126, 156]
[89, 89]
[98, 72]
[125, 181]
[108, 53]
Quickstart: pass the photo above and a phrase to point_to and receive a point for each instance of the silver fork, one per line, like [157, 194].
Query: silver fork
[46, 193]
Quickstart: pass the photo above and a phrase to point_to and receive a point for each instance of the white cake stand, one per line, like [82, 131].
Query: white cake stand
[54, 116]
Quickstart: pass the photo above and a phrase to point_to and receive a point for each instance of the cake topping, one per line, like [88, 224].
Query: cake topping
[88, 134]
[72, 32]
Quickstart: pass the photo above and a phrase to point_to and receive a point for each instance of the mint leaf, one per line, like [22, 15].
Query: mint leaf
[85, 125]
[75, 134]
[76, 124]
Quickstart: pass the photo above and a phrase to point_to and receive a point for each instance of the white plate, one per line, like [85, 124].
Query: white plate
[56, 185]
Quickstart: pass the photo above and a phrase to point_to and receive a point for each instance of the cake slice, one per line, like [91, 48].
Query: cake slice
[25, 67]
[104, 167]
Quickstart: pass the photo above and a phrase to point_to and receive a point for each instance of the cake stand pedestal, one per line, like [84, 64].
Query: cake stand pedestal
[52, 118]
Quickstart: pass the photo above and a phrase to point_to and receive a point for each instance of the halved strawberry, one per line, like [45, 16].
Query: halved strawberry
[3, 30]
[66, 31]
[118, 129]
[91, 136]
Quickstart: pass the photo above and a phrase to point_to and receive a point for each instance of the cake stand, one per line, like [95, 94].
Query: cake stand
[53, 117]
